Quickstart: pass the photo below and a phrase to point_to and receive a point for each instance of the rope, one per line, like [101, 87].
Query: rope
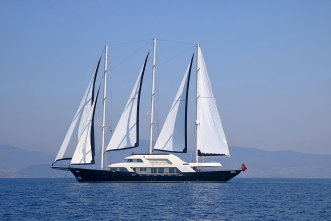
[125, 59]
[129, 42]
[157, 96]
[178, 42]
[66, 174]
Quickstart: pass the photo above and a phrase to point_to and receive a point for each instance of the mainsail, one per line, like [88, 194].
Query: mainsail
[69, 143]
[85, 149]
[173, 135]
[211, 140]
[126, 134]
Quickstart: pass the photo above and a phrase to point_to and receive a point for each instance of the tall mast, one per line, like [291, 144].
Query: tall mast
[104, 107]
[153, 96]
[196, 106]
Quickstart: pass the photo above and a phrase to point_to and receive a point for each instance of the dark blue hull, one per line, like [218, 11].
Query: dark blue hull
[90, 175]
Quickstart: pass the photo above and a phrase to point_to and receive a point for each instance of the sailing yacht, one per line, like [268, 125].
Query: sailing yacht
[160, 164]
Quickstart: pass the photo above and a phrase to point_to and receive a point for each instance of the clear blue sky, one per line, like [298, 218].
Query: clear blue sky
[269, 62]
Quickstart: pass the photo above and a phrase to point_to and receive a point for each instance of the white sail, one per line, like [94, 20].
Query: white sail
[69, 143]
[84, 153]
[211, 140]
[173, 135]
[66, 149]
[126, 133]
[86, 109]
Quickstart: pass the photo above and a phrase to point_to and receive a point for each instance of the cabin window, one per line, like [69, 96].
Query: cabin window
[154, 170]
[143, 169]
[159, 161]
[122, 169]
[134, 160]
[160, 170]
[172, 170]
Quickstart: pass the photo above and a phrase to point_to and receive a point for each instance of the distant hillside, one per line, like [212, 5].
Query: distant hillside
[17, 162]
[14, 162]
[38, 170]
[10, 174]
[279, 164]
[17, 158]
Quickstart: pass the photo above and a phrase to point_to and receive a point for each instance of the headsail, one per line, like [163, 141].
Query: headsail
[126, 134]
[88, 102]
[211, 140]
[85, 149]
[69, 143]
[173, 136]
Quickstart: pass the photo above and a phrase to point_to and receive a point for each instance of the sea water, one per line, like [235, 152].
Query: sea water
[239, 199]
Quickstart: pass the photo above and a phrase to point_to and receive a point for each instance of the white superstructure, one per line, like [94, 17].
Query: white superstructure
[158, 164]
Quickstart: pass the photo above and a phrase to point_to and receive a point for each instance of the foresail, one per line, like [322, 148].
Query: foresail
[211, 140]
[66, 150]
[173, 135]
[69, 143]
[126, 133]
[85, 149]
[87, 103]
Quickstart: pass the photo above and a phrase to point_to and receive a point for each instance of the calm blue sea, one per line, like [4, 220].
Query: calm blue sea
[240, 199]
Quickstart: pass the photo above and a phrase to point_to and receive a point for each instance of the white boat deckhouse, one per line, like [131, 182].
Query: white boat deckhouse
[160, 164]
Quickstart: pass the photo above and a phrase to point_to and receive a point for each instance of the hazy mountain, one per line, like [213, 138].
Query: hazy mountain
[14, 162]
[17, 162]
[17, 158]
[10, 174]
[38, 170]
[279, 164]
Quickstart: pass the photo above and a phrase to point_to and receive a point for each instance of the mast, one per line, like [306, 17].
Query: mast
[153, 96]
[196, 107]
[104, 107]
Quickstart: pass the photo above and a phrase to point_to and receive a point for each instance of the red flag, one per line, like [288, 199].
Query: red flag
[243, 167]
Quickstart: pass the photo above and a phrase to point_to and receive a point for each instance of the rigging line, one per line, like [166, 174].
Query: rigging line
[173, 58]
[157, 110]
[178, 42]
[125, 59]
[129, 42]
[193, 154]
[66, 174]
[110, 112]
[157, 99]
[103, 50]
